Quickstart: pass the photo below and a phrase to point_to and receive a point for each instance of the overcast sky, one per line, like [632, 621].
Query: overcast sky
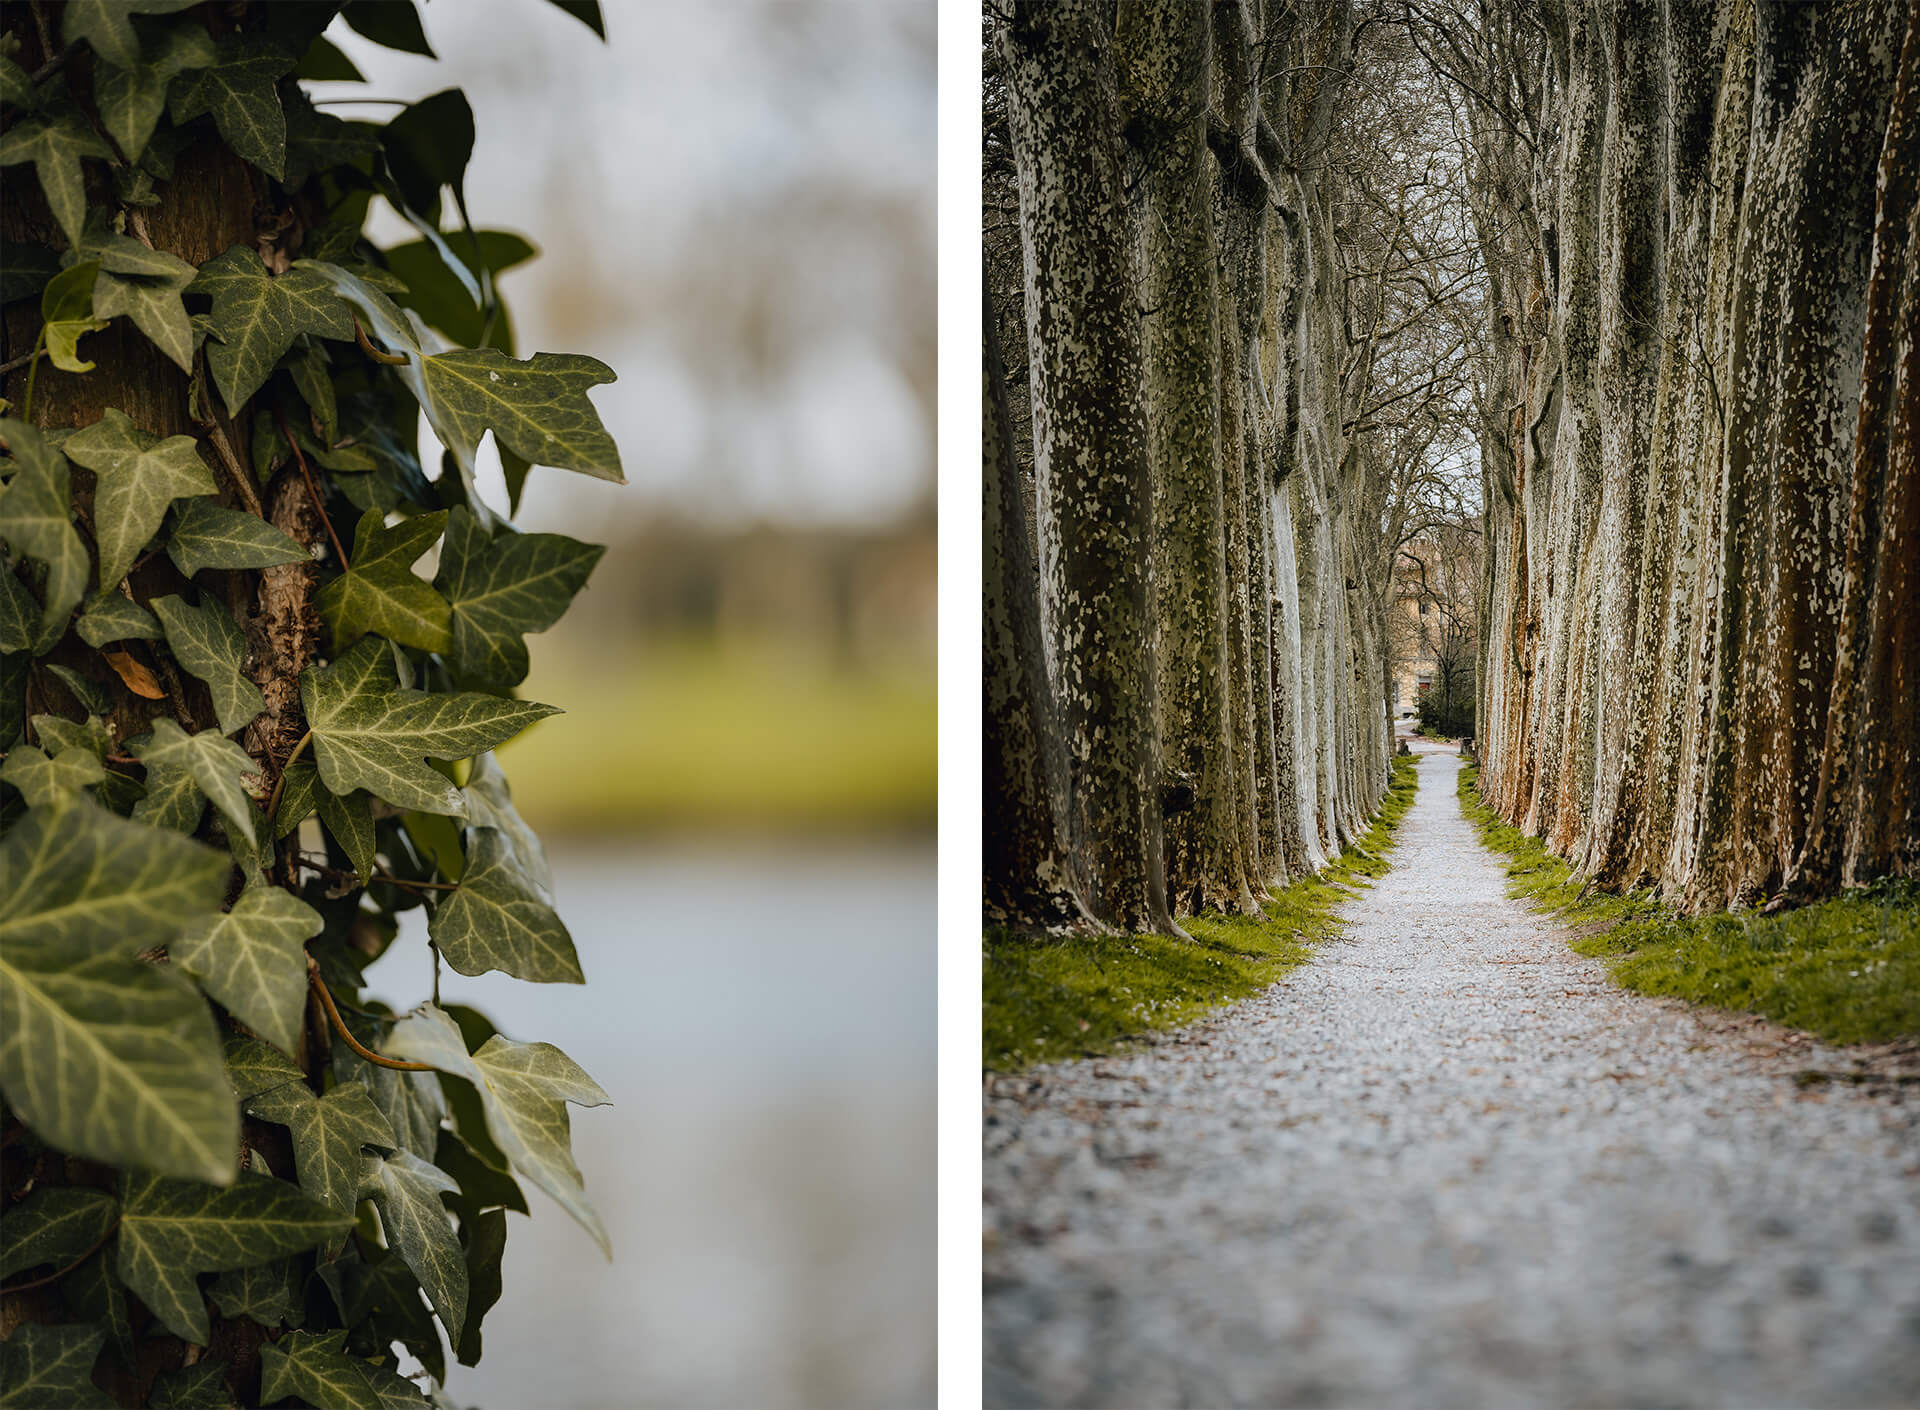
[734, 201]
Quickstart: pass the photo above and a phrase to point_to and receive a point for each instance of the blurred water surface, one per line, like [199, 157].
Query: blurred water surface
[762, 1015]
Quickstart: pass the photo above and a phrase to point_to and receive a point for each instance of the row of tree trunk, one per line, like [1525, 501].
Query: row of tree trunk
[1701, 619]
[1183, 655]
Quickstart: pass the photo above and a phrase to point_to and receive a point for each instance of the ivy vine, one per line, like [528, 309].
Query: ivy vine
[243, 733]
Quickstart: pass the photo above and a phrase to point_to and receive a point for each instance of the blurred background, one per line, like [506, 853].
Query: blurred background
[734, 203]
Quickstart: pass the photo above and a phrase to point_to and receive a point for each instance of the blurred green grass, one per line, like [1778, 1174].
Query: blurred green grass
[723, 736]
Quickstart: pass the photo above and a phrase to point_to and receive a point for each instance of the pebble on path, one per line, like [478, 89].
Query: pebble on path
[1449, 1163]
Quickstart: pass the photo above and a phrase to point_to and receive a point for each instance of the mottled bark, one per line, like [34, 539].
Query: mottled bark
[1091, 464]
[1029, 877]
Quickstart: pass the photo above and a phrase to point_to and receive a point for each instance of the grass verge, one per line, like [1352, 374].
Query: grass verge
[1049, 999]
[1846, 969]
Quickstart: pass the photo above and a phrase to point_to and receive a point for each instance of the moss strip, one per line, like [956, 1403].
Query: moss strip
[1846, 969]
[1050, 999]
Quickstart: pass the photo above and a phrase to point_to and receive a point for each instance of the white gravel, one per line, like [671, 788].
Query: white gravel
[1448, 1163]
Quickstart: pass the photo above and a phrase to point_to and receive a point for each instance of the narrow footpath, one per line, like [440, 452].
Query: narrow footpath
[1449, 1163]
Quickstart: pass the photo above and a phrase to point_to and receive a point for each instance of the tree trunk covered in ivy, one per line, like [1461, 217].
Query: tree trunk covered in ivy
[1700, 670]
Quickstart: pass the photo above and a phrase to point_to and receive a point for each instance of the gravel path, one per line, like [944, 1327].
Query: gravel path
[1449, 1164]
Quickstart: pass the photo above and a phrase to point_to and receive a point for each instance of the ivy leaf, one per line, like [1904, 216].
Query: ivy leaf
[35, 520]
[298, 782]
[51, 1368]
[215, 764]
[140, 475]
[209, 535]
[106, 1056]
[254, 960]
[146, 286]
[256, 316]
[327, 1135]
[88, 690]
[493, 922]
[242, 93]
[395, 24]
[208, 643]
[324, 63]
[538, 408]
[490, 805]
[440, 297]
[349, 820]
[25, 269]
[42, 780]
[407, 1190]
[369, 733]
[587, 12]
[486, 1246]
[110, 617]
[313, 1366]
[500, 590]
[131, 97]
[92, 1291]
[524, 1089]
[55, 1224]
[172, 800]
[380, 593]
[16, 86]
[57, 734]
[428, 145]
[107, 26]
[481, 1186]
[171, 1231]
[66, 313]
[56, 142]
[264, 1293]
[201, 1386]
[411, 1101]
[317, 140]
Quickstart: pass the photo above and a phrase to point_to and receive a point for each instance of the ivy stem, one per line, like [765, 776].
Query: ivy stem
[313, 490]
[340, 1027]
[280, 784]
[33, 370]
[98, 1244]
[20, 361]
[334, 873]
[367, 347]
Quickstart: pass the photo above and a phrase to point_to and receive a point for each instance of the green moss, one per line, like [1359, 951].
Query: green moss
[1846, 969]
[1049, 999]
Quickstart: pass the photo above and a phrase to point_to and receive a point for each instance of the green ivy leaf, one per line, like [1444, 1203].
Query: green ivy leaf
[241, 91]
[486, 1246]
[25, 269]
[317, 140]
[209, 644]
[201, 1386]
[89, 691]
[66, 313]
[51, 1368]
[16, 86]
[327, 1135]
[500, 590]
[42, 780]
[172, 800]
[380, 593]
[407, 1190]
[215, 764]
[256, 316]
[394, 24]
[298, 782]
[440, 297]
[313, 1366]
[324, 63]
[493, 922]
[139, 476]
[110, 617]
[209, 535]
[109, 1057]
[35, 519]
[54, 1225]
[411, 1101]
[524, 1089]
[481, 1186]
[56, 142]
[587, 12]
[264, 1293]
[369, 733]
[131, 97]
[171, 1231]
[349, 820]
[107, 26]
[57, 734]
[145, 285]
[538, 408]
[254, 960]
[95, 1294]
[490, 805]
[428, 145]
[313, 378]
